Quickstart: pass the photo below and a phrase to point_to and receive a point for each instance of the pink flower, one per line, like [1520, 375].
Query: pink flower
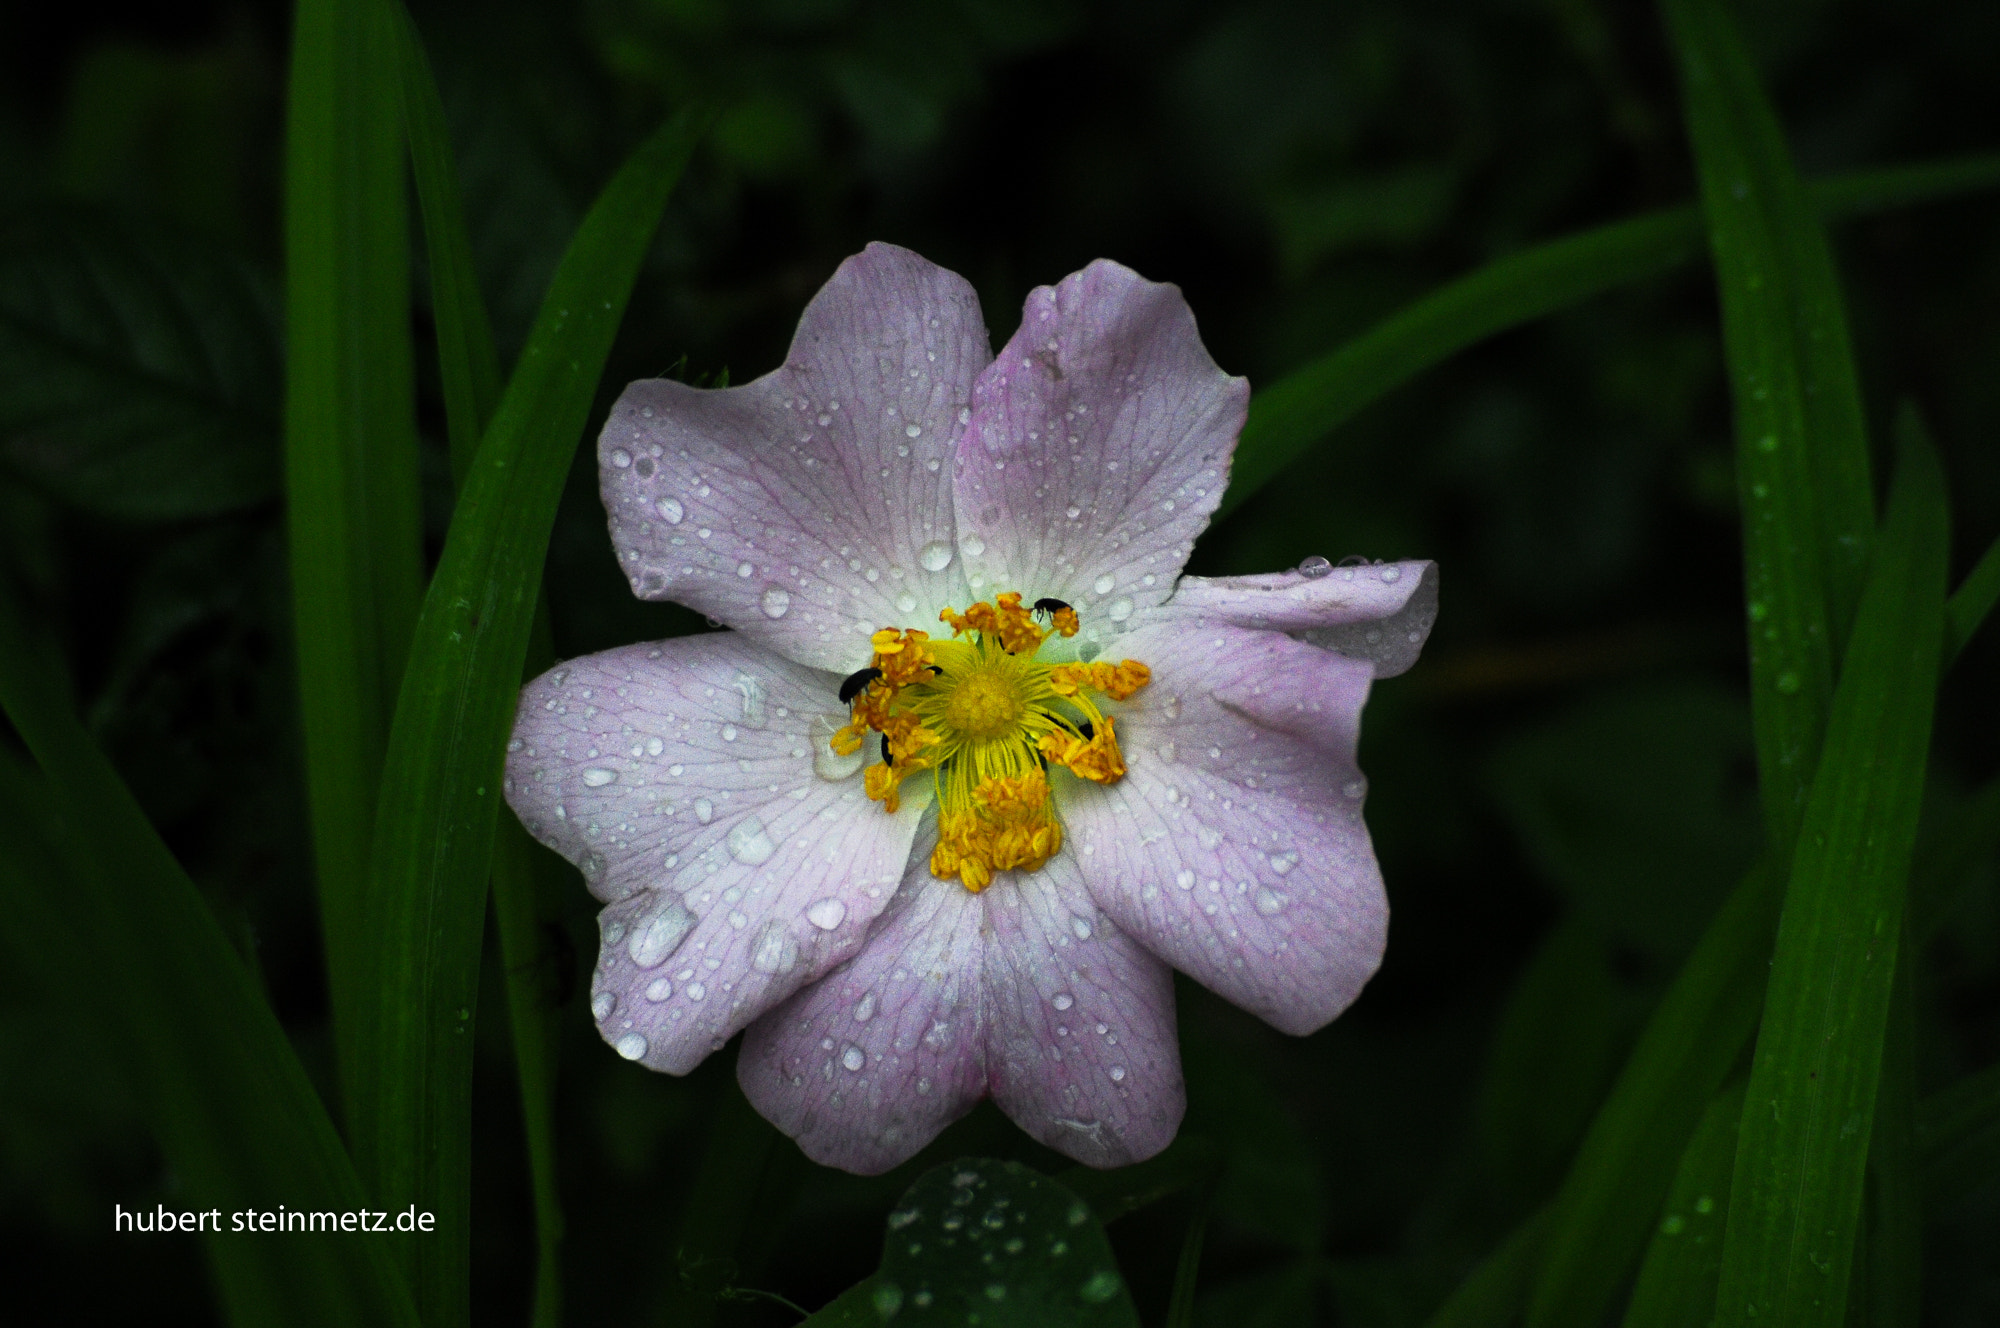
[975, 878]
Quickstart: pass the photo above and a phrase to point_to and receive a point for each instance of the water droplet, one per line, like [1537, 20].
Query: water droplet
[1080, 926]
[1184, 879]
[1120, 609]
[670, 510]
[864, 1009]
[1314, 567]
[1104, 583]
[827, 763]
[660, 933]
[704, 810]
[854, 1057]
[1073, 512]
[1063, 1000]
[659, 990]
[906, 603]
[1284, 862]
[655, 747]
[995, 1291]
[1101, 1287]
[696, 991]
[887, 1299]
[913, 431]
[1354, 788]
[748, 843]
[745, 570]
[776, 603]
[632, 1046]
[751, 689]
[776, 950]
[620, 458]
[1117, 1074]
[1390, 574]
[935, 556]
[1269, 902]
[827, 914]
[601, 1006]
[597, 777]
[1788, 682]
[729, 733]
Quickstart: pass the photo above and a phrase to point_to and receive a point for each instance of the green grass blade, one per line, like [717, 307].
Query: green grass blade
[468, 365]
[1491, 1296]
[1298, 410]
[1612, 1194]
[350, 449]
[87, 889]
[1676, 1284]
[1187, 1268]
[1971, 602]
[440, 788]
[1795, 1201]
[1957, 1135]
[1888, 1275]
[1798, 464]
[1967, 836]
[469, 369]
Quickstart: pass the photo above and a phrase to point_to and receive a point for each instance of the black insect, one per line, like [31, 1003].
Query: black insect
[1049, 608]
[855, 683]
[1083, 727]
[888, 757]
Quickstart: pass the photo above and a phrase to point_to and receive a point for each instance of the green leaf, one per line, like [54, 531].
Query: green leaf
[1957, 1134]
[350, 456]
[141, 369]
[469, 368]
[1677, 1282]
[1612, 1194]
[1795, 1203]
[1491, 1297]
[440, 788]
[1971, 602]
[991, 1243]
[1801, 450]
[1298, 410]
[87, 888]
[1888, 1274]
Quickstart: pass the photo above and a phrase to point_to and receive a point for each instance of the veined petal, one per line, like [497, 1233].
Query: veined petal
[1234, 847]
[1099, 445]
[1379, 612]
[1080, 1039]
[812, 506]
[868, 1065]
[684, 778]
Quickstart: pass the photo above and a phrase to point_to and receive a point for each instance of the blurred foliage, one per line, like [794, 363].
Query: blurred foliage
[1560, 791]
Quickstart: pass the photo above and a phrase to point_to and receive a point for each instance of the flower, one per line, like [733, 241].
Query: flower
[975, 765]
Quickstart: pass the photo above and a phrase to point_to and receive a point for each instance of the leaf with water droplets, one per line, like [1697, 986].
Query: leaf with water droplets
[992, 1243]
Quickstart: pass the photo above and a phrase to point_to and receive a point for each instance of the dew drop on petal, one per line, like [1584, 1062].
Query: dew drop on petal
[1284, 862]
[659, 989]
[864, 1009]
[749, 844]
[670, 510]
[973, 546]
[776, 950]
[597, 777]
[695, 991]
[776, 603]
[1117, 1074]
[632, 1046]
[827, 763]
[906, 603]
[853, 1057]
[1063, 1000]
[1104, 583]
[660, 933]
[1390, 574]
[1120, 609]
[1184, 879]
[621, 458]
[601, 1006]
[704, 810]
[1269, 902]
[935, 556]
[827, 914]
[1315, 567]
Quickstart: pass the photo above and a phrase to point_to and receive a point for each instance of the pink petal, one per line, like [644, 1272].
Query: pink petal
[812, 506]
[1234, 847]
[681, 777]
[1381, 613]
[1080, 1038]
[1099, 445]
[868, 1065]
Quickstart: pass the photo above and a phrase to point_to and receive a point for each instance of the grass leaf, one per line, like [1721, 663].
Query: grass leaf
[1971, 602]
[1957, 1135]
[88, 888]
[1795, 1202]
[350, 453]
[440, 789]
[1491, 1297]
[1677, 1282]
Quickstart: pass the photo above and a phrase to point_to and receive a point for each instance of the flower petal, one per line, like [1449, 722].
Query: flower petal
[812, 506]
[739, 861]
[1099, 445]
[1234, 847]
[868, 1065]
[1080, 1038]
[1381, 613]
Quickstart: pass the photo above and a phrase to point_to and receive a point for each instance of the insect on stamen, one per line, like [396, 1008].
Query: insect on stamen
[855, 683]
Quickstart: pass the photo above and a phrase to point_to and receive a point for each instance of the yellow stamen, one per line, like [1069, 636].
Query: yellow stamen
[986, 719]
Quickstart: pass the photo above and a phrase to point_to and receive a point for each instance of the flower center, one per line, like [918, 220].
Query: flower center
[987, 719]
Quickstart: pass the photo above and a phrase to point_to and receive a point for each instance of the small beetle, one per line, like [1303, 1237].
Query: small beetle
[855, 683]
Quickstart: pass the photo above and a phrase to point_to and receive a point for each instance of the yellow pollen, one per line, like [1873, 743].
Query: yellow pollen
[987, 720]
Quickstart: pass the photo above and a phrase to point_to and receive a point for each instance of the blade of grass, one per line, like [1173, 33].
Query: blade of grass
[87, 889]
[350, 451]
[1957, 1135]
[1491, 1296]
[1187, 1268]
[440, 788]
[1796, 1196]
[1801, 463]
[1676, 1284]
[1967, 836]
[1612, 1193]
[1889, 1271]
[469, 368]
[1295, 412]
[1971, 602]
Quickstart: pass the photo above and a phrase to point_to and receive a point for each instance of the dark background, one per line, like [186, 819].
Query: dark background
[1562, 789]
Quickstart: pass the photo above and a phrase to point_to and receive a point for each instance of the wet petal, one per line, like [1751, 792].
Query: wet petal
[1099, 445]
[1080, 1036]
[868, 1065]
[1234, 848]
[739, 861]
[1379, 612]
[812, 506]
